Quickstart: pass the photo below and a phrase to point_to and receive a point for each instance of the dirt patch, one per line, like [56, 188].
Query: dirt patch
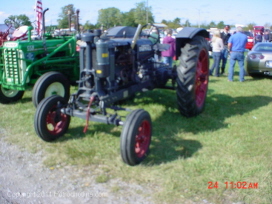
[25, 180]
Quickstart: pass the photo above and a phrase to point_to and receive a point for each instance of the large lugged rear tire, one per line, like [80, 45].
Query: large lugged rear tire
[9, 96]
[49, 122]
[193, 77]
[136, 137]
[50, 83]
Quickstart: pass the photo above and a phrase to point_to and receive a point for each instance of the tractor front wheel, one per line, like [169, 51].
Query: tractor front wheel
[49, 122]
[50, 83]
[9, 95]
[136, 137]
[193, 77]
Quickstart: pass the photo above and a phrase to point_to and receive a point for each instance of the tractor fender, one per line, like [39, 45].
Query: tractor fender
[186, 34]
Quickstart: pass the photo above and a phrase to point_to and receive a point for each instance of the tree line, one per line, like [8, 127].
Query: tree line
[110, 17]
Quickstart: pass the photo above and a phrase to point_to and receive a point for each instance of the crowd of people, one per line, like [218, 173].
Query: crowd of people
[224, 44]
[262, 36]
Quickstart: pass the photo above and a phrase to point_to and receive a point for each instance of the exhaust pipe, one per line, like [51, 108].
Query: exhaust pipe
[44, 21]
[43, 37]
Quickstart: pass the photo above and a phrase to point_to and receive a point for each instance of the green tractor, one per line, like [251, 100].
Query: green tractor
[51, 65]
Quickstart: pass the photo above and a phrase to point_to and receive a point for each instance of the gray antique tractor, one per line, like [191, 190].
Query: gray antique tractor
[116, 65]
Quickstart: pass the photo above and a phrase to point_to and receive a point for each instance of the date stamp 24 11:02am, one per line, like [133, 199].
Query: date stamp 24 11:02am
[234, 185]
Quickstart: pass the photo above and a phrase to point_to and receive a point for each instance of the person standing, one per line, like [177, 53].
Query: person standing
[217, 47]
[170, 53]
[225, 35]
[258, 38]
[266, 36]
[236, 46]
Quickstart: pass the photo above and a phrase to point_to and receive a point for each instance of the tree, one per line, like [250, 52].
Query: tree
[164, 21]
[109, 17]
[67, 16]
[250, 26]
[174, 24]
[177, 21]
[128, 19]
[17, 21]
[212, 24]
[88, 26]
[142, 14]
[221, 25]
[205, 26]
[187, 23]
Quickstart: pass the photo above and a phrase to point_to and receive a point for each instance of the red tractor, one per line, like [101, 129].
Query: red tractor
[9, 34]
[5, 34]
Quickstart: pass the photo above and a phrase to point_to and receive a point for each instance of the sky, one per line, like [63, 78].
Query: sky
[197, 12]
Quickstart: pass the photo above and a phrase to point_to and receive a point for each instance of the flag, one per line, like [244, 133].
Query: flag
[39, 11]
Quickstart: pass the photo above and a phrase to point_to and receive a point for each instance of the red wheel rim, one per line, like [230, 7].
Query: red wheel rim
[54, 123]
[202, 74]
[143, 139]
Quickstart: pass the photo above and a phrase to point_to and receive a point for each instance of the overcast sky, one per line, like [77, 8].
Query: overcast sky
[196, 11]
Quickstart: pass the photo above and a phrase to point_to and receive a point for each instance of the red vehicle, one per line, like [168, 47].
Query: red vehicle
[250, 40]
[5, 32]
[258, 29]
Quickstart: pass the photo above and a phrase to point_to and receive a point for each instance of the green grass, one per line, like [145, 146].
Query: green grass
[229, 142]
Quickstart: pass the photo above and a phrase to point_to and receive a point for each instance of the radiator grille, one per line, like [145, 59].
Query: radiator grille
[14, 66]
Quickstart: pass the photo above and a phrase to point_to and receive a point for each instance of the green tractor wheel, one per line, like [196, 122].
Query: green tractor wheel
[9, 95]
[51, 83]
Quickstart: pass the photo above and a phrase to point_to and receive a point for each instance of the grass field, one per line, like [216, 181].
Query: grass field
[191, 159]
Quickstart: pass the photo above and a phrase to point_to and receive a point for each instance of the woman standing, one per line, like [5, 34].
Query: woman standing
[217, 47]
[170, 53]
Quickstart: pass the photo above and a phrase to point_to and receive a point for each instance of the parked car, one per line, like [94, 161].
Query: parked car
[258, 29]
[259, 60]
[250, 40]
[210, 43]
[270, 36]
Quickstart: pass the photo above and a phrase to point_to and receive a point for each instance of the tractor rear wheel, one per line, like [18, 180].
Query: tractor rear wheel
[193, 77]
[136, 137]
[9, 95]
[49, 122]
[50, 83]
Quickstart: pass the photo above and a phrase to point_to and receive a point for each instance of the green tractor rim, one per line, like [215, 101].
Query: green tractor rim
[9, 92]
[55, 88]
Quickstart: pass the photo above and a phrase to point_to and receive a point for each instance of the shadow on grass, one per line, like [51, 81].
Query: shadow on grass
[77, 132]
[22, 101]
[167, 142]
[25, 100]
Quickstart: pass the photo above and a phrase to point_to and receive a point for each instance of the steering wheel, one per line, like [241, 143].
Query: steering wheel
[153, 34]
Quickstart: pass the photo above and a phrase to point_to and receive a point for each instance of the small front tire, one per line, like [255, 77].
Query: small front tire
[136, 137]
[49, 122]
